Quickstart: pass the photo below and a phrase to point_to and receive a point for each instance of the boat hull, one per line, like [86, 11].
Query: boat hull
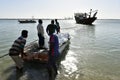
[35, 54]
[30, 21]
[87, 21]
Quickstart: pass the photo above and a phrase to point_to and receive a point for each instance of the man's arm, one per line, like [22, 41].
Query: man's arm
[23, 42]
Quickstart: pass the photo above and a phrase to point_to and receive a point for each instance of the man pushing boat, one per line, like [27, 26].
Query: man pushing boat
[17, 49]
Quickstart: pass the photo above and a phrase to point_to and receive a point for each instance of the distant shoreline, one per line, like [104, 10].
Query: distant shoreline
[47, 19]
[35, 18]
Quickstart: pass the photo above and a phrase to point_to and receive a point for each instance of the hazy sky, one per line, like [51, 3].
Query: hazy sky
[107, 9]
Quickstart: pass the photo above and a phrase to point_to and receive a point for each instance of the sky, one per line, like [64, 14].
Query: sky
[107, 9]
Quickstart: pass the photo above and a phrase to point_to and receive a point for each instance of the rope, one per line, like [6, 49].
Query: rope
[3, 55]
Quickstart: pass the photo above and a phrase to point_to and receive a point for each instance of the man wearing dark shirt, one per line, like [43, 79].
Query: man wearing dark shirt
[51, 28]
[58, 26]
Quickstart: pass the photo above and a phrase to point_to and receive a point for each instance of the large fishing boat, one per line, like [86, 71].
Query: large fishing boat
[86, 18]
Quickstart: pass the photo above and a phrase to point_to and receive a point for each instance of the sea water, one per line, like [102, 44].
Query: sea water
[94, 51]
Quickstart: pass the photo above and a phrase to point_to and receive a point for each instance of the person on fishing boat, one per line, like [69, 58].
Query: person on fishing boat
[58, 26]
[51, 28]
[40, 30]
[17, 49]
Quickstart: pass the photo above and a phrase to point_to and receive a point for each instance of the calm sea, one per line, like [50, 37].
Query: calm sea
[94, 52]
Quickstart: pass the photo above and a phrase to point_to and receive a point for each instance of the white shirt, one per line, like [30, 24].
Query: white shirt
[40, 29]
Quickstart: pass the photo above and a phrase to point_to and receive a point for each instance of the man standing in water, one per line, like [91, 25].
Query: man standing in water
[17, 49]
[53, 49]
[53, 55]
[40, 30]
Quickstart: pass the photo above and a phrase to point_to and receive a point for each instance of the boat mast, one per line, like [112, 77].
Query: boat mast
[32, 17]
[90, 13]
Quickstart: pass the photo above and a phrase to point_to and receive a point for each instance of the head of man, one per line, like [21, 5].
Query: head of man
[55, 20]
[40, 21]
[24, 33]
[52, 21]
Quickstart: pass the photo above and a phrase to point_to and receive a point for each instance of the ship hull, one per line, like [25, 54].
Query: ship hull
[26, 21]
[87, 21]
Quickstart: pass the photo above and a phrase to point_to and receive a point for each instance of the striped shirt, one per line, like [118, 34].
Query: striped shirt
[17, 47]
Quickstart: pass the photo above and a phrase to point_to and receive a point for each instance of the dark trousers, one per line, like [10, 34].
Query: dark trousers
[52, 68]
[52, 62]
[41, 40]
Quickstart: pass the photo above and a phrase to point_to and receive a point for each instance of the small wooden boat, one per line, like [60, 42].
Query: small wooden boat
[41, 55]
[27, 21]
[85, 18]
